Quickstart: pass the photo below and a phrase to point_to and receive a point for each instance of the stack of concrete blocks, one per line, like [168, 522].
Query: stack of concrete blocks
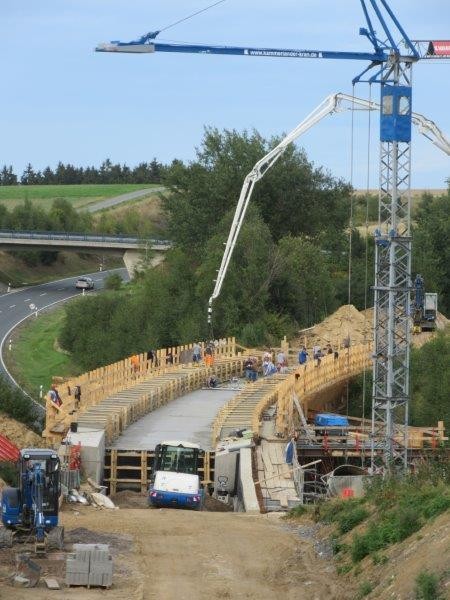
[90, 565]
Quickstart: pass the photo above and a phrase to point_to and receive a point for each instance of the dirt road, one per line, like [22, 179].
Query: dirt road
[173, 554]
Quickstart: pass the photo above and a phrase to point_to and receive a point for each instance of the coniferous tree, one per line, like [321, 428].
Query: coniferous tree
[28, 176]
[7, 176]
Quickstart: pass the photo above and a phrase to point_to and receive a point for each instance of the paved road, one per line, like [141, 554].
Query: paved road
[123, 198]
[188, 418]
[15, 305]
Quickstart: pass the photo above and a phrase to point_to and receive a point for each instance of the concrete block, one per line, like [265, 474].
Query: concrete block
[100, 553]
[76, 566]
[105, 568]
[92, 441]
[77, 578]
[103, 579]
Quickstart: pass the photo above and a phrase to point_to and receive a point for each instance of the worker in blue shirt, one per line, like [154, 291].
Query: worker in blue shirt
[302, 356]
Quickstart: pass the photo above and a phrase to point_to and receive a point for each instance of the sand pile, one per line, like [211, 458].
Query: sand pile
[19, 434]
[346, 322]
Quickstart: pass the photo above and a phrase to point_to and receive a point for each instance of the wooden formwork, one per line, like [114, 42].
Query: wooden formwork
[132, 469]
[307, 380]
[238, 412]
[145, 386]
[116, 412]
[246, 409]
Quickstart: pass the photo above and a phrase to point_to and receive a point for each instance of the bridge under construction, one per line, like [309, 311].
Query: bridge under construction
[127, 408]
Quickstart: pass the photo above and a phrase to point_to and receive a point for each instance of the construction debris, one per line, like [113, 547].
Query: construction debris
[102, 501]
[52, 583]
[75, 496]
[27, 573]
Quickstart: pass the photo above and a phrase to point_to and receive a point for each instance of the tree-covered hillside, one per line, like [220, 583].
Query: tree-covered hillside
[289, 268]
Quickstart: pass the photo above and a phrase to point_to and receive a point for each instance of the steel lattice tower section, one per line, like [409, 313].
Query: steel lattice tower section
[390, 402]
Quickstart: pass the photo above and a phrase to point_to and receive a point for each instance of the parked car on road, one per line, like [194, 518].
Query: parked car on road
[84, 283]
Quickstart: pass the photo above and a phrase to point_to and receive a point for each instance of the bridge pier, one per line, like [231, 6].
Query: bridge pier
[133, 260]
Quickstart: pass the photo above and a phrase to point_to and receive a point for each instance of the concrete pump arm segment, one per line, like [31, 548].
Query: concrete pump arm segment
[331, 104]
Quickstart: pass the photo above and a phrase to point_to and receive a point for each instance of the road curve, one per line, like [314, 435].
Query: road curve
[15, 305]
[109, 202]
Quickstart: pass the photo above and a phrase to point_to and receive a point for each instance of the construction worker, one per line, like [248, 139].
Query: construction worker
[135, 363]
[54, 397]
[209, 355]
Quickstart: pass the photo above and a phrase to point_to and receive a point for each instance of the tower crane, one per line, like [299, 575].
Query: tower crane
[390, 65]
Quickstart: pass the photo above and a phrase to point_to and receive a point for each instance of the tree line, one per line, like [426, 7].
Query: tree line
[288, 271]
[289, 268]
[107, 173]
[31, 217]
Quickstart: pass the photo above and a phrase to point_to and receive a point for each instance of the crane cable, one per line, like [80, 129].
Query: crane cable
[198, 12]
[366, 266]
[194, 14]
[350, 237]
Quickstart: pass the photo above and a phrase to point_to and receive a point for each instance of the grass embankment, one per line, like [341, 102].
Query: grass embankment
[373, 537]
[35, 357]
[79, 196]
[68, 264]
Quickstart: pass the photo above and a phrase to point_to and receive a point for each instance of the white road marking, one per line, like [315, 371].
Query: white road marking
[43, 294]
[27, 300]
[59, 289]
[12, 306]
[5, 337]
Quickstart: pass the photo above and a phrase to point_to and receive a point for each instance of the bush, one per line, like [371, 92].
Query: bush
[427, 586]
[395, 526]
[351, 518]
[343, 569]
[346, 513]
[379, 559]
[297, 511]
[113, 282]
[360, 548]
[435, 506]
[364, 589]
[16, 405]
[338, 546]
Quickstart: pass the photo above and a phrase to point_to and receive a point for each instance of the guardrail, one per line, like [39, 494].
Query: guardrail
[80, 237]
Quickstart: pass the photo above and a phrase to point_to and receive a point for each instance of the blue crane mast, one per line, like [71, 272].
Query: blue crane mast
[390, 65]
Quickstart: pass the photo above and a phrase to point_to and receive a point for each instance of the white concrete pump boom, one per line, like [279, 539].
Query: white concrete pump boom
[331, 104]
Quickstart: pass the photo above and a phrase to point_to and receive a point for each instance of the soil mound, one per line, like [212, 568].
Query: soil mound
[19, 434]
[346, 322]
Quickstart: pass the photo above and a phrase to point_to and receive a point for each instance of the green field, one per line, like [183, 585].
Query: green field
[34, 358]
[79, 195]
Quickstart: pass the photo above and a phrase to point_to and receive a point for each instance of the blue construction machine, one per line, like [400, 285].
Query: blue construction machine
[31, 508]
[175, 481]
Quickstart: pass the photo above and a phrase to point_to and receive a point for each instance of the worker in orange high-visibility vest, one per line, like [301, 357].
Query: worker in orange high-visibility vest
[209, 355]
[135, 363]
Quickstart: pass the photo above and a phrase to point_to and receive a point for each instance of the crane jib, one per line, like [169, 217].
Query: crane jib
[138, 48]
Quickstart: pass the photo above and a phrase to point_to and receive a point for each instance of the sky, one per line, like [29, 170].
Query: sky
[62, 101]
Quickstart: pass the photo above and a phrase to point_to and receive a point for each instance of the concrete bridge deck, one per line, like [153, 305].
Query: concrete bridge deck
[189, 418]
